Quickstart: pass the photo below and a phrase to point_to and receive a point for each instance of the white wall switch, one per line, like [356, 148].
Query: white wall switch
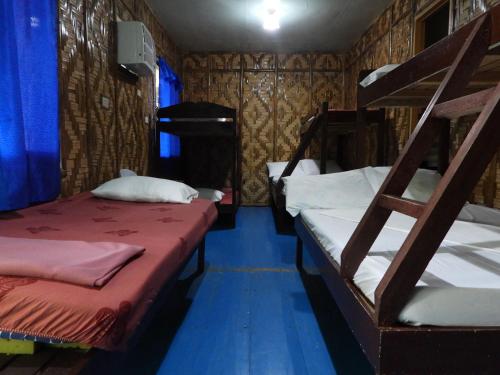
[105, 102]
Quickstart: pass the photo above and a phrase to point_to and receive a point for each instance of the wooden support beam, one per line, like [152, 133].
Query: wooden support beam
[405, 206]
[466, 105]
[324, 139]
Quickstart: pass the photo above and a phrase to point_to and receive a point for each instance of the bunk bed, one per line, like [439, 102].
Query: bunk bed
[112, 316]
[457, 76]
[210, 155]
[327, 123]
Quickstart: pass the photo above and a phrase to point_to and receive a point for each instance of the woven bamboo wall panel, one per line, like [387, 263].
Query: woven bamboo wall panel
[97, 141]
[294, 62]
[102, 133]
[259, 61]
[225, 61]
[270, 119]
[293, 104]
[327, 86]
[401, 40]
[421, 4]
[383, 48]
[486, 192]
[131, 100]
[326, 62]
[195, 62]
[195, 86]
[401, 8]
[257, 134]
[73, 105]
[225, 89]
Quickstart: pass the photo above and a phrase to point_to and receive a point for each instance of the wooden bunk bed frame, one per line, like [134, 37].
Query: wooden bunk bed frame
[468, 64]
[327, 122]
[204, 119]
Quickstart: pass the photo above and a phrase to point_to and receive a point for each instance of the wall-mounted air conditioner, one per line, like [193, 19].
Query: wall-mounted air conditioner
[136, 48]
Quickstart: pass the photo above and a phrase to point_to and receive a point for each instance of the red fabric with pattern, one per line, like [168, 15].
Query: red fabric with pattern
[102, 317]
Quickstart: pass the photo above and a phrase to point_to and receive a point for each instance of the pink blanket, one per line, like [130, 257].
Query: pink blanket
[77, 262]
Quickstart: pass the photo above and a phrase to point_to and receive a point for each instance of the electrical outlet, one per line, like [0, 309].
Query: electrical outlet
[105, 102]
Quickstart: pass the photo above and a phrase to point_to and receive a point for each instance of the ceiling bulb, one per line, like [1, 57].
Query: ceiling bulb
[271, 19]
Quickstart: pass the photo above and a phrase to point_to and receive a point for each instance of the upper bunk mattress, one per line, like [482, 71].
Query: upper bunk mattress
[461, 285]
[101, 317]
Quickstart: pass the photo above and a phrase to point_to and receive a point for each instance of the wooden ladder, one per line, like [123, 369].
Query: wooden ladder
[319, 122]
[435, 217]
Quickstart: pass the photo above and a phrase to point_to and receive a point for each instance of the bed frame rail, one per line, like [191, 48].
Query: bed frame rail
[435, 217]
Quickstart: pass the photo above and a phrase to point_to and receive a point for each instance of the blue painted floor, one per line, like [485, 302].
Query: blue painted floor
[250, 313]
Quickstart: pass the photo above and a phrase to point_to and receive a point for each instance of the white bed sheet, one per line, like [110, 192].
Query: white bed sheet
[305, 167]
[354, 188]
[461, 285]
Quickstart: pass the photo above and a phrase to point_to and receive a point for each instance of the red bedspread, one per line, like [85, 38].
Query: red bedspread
[102, 317]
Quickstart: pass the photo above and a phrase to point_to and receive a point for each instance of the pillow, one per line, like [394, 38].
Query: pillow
[337, 190]
[377, 74]
[310, 167]
[145, 189]
[210, 194]
[479, 214]
[127, 173]
[276, 169]
[420, 188]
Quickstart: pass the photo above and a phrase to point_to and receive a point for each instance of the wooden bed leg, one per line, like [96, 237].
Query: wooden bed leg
[299, 255]
[201, 256]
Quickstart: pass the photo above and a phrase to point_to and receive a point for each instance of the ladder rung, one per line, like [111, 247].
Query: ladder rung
[402, 205]
[463, 106]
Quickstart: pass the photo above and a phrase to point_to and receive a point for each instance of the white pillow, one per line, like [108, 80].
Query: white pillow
[276, 169]
[145, 189]
[420, 188]
[337, 190]
[310, 167]
[210, 194]
[127, 173]
[479, 214]
[377, 74]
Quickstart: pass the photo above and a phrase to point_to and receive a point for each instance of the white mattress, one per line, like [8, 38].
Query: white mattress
[461, 285]
[377, 74]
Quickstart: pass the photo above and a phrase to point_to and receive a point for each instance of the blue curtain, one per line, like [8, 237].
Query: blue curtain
[29, 134]
[170, 88]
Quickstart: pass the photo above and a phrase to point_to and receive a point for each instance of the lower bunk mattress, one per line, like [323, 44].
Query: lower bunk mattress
[102, 317]
[461, 285]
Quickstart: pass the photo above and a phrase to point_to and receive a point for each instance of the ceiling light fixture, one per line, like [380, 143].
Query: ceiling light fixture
[271, 17]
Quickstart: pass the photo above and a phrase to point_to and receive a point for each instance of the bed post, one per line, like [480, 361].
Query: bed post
[381, 138]
[201, 257]
[444, 146]
[361, 134]
[299, 255]
[324, 138]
